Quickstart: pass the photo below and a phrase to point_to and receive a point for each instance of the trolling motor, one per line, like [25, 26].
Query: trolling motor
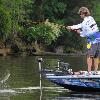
[44, 71]
[40, 60]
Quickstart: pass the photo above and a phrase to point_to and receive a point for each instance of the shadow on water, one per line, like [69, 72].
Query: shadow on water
[68, 95]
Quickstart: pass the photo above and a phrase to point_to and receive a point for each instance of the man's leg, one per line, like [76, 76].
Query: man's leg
[96, 64]
[89, 63]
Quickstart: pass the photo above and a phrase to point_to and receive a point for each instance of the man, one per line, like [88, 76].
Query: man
[89, 30]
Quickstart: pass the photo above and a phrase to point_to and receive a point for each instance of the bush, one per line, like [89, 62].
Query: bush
[45, 32]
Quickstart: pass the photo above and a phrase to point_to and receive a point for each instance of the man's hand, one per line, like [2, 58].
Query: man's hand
[74, 30]
[78, 31]
[69, 28]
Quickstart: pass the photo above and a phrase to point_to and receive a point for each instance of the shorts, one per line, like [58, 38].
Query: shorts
[94, 50]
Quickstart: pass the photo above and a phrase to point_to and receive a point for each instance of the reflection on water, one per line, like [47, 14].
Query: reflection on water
[48, 94]
[20, 79]
[65, 95]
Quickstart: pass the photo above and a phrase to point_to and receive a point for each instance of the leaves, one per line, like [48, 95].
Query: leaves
[17, 17]
[45, 32]
[5, 24]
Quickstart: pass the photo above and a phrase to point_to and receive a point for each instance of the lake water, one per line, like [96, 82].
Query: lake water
[19, 79]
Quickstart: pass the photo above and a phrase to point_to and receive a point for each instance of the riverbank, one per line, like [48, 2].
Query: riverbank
[9, 52]
[57, 54]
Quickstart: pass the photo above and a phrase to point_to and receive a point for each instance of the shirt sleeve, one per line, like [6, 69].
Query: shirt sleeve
[82, 34]
[76, 26]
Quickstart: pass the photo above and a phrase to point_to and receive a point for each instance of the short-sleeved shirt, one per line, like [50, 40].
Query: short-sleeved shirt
[88, 27]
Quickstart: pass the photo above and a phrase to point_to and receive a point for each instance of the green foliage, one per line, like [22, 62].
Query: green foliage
[96, 12]
[53, 7]
[45, 32]
[58, 7]
[17, 17]
[5, 24]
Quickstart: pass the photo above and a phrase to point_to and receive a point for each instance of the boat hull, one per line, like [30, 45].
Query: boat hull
[81, 83]
[78, 88]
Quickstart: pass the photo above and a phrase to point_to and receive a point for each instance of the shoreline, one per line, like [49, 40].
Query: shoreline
[58, 54]
[8, 52]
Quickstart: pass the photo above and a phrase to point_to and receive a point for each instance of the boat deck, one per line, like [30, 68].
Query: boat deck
[82, 76]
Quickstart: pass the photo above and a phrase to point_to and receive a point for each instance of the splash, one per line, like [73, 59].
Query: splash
[5, 78]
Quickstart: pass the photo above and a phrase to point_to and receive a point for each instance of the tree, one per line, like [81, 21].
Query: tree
[19, 20]
[5, 25]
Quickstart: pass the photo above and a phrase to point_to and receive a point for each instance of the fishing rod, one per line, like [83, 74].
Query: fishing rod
[60, 26]
[70, 30]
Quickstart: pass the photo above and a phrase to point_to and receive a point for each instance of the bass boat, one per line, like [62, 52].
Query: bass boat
[74, 81]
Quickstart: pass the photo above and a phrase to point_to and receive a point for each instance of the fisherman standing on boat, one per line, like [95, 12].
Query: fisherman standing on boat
[89, 30]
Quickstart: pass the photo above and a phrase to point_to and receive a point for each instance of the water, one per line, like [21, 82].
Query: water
[20, 80]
